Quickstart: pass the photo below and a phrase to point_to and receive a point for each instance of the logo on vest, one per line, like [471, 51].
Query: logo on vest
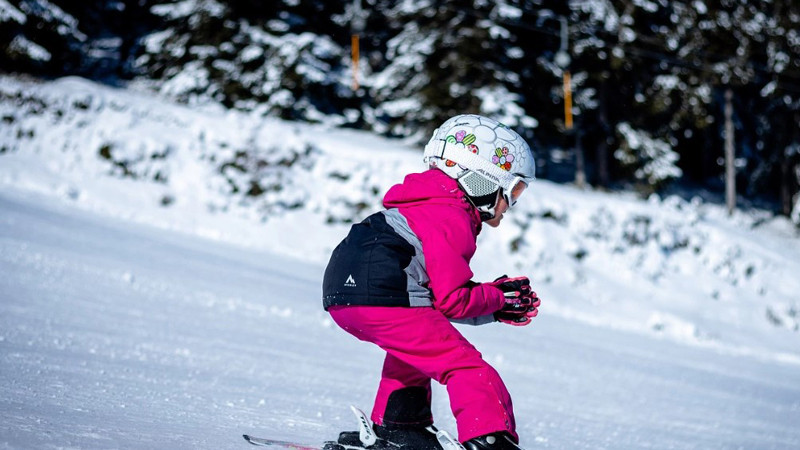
[350, 282]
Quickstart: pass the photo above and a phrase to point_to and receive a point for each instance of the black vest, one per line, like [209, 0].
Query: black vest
[368, 267]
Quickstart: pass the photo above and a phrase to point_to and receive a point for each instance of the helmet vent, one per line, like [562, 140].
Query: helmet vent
[476, 185]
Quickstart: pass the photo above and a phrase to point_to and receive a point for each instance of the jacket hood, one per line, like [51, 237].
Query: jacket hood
[427, 188]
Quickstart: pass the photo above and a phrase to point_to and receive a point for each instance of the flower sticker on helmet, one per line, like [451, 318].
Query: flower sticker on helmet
[463, 138]
[502, 158]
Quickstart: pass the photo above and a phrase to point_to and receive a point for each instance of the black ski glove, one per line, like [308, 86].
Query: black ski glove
[521, 302]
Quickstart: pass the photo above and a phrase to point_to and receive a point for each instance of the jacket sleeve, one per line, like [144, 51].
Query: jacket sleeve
[448, 250]
[475, 321]
[469, 302]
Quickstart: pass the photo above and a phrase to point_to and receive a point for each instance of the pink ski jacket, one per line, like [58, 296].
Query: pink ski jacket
[416, 253]
[447, 225]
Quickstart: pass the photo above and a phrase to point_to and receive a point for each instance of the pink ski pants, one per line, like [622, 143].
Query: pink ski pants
[421, 344]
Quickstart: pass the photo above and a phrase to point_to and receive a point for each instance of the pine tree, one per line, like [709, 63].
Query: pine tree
[41, 38]
[659, 67]
[251, 55]
[443, 59]
[94, 39]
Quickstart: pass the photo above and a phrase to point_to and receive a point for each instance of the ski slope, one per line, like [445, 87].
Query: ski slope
[123, 335]
[150, 299]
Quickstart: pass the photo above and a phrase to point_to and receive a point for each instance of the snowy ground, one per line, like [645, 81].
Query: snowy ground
[147, 301]
[125, 336]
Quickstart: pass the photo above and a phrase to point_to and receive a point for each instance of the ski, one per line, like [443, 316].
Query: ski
[274, 443]
[447, 441]
[287, 445]
[363, 439]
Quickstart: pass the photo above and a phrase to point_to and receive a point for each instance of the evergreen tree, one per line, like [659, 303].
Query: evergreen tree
[251, 55]
[642, 71]
[745, 46]
[443, 59]
[38, 37]
[777, 124]
[95, 39]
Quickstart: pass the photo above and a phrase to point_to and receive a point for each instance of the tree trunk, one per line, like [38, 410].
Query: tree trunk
[730, 169]
[580, 160]
[786, 185]
[790, 178]
[603, 176]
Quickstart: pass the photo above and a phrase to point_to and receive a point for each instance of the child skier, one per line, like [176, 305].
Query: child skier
[402, 275]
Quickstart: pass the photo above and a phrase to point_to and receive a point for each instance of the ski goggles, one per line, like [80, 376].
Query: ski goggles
[517, 189]
[486, 192]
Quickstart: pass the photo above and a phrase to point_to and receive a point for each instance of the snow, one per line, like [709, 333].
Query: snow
[503, 105]
[9, 13]
[251, 53]
[66, 25]
[34, 51]
[700, 7]
[507, 11]
[150, 302]
[193, 76]
[653, 159]
[185, 8]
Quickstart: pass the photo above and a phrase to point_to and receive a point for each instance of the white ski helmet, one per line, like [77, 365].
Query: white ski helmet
[486, 158]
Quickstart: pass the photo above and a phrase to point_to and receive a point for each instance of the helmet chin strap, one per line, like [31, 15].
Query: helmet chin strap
[485, 204]
[486, 215]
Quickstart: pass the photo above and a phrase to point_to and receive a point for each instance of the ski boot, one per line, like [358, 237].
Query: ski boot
[417, 438]
[494, 441]
[394, 439]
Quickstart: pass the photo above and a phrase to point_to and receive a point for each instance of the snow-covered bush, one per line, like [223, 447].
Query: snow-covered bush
[269, 174]
[249, 165]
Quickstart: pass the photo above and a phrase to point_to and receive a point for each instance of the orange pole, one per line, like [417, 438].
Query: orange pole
[354, 55]
[567, 100]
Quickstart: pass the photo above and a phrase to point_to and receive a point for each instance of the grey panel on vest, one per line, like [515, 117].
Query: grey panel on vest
[418, 292]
